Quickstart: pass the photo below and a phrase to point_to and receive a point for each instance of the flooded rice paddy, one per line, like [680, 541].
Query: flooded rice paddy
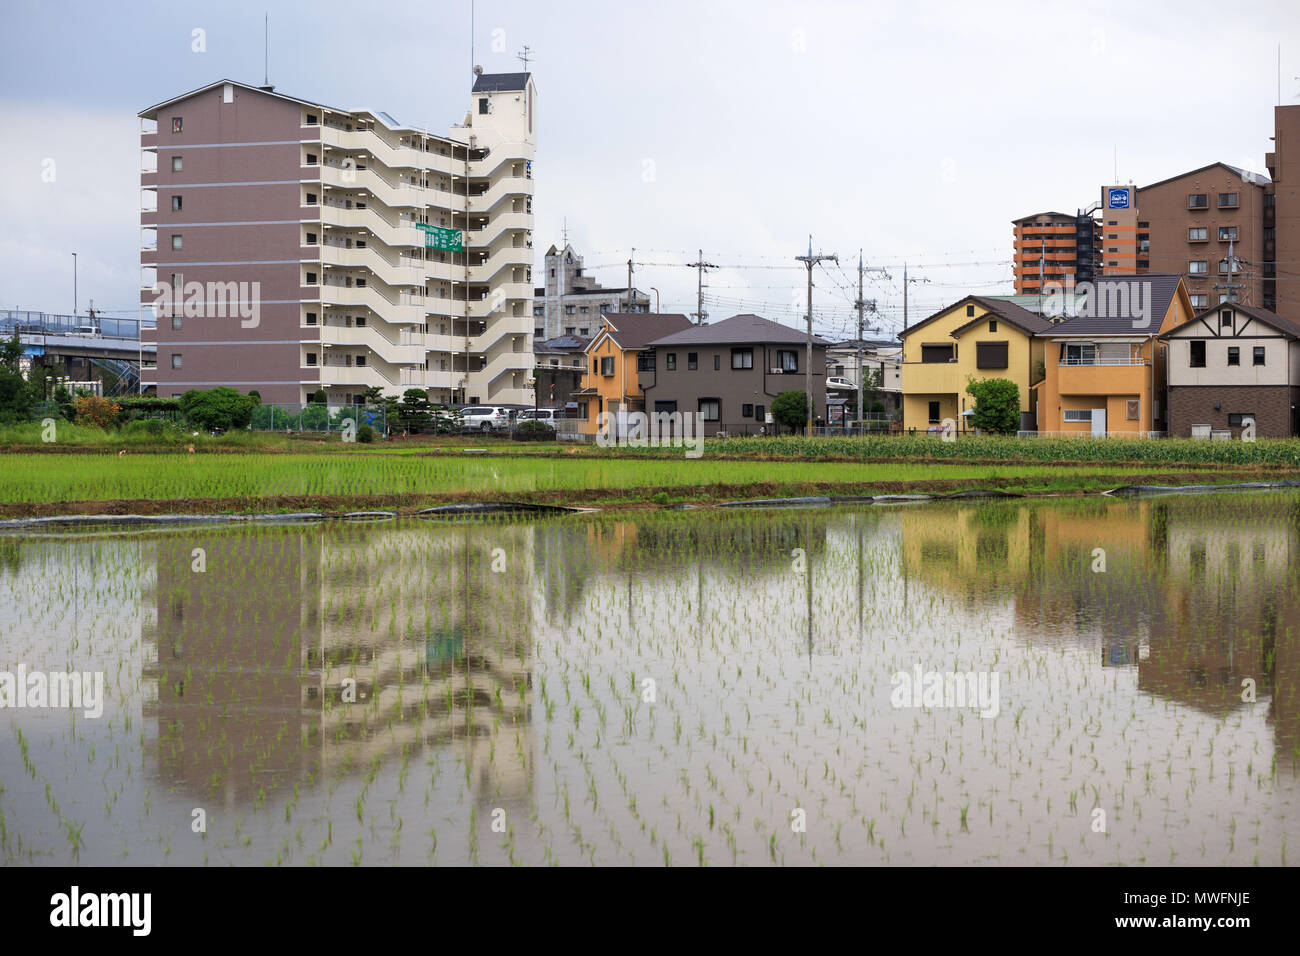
[675, 688]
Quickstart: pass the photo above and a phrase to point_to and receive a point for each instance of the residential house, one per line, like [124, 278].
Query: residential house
[977, 338]
[612, 358]
[561, 363]
[1105, 369]
[1232, 364]
[729, 372]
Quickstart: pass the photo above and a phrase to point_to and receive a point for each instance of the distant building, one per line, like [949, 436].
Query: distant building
[572, 303]
[614, 358]
[1051, 246]
[882, 358]
[561, 364]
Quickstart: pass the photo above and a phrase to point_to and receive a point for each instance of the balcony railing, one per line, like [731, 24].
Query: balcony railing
[1103, 361]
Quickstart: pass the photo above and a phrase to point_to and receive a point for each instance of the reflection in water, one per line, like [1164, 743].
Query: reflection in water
[668, 688]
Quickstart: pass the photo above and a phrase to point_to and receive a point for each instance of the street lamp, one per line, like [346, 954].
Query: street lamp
[74, 285]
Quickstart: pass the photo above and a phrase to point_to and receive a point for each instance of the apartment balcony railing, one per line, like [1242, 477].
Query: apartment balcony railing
[1103, 361]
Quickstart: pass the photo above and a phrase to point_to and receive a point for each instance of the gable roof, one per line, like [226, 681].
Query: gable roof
[1160, 289]
[743, 329]
[500, 82]
[146, 113]
[1021, 318]
[635, 330]
[1274, 321]
[1257, 179]
[563, 343]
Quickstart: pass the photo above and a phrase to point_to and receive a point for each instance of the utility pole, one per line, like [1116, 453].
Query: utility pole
[74, 285]
[701, 265]
[811, 260]
[630, 306]
[906, 280]
[862, 305]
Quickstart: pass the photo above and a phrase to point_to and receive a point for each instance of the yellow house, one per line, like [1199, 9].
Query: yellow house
[610, 382]
[979, 337]
[1105, 365]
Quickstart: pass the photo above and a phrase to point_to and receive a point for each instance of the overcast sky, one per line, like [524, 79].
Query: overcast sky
[915, 131]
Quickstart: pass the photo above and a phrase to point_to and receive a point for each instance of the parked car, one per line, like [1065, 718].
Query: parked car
[548, 415]
[485, 418]
[835, 383]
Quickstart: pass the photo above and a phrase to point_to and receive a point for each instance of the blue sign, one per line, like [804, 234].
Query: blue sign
[1118, 199]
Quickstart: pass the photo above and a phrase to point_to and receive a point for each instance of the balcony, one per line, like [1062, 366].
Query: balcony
[1114, 377]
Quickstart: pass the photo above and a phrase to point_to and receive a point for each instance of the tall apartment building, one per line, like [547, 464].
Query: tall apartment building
[1282, 215]
[1050, 246]
[288, 246]
[571, 303]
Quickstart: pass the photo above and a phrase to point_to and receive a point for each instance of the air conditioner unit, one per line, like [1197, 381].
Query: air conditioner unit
[776, 371]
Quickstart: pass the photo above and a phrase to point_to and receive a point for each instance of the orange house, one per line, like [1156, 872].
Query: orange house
[1105, 366]
[610, 382]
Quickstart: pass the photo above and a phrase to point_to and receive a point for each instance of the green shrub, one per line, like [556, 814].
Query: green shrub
[997, 405]
[533, 430]
[318, 397]
[217, 408]
[790, 409]
[366, 434]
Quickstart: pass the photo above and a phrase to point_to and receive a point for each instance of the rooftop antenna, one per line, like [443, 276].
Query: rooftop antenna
[565, 231]
[1115, 158]
[524, 56]
[266, 48]
[471, 39]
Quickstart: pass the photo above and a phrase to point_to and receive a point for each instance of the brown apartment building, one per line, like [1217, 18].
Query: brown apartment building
[288, 246]
[1282, 215]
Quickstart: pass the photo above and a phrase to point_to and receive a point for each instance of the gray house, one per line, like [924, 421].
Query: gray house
[730, 372]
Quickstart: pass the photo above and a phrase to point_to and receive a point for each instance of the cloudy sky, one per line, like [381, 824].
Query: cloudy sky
[914, 131]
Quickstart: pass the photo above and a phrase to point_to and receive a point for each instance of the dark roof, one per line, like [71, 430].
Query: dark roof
[1063, 215]
[247, 86]
[1161, 288]
[500, 82]
[740, 330]
[1021, 318]
[563, 343]
[1271, 319]
[1246, 174]
[636, 330]
[865, 344]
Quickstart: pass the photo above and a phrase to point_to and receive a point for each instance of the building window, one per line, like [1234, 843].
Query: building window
[311, 278]
[1197, 233]
[710, 409]
[176, 360]
[176, 242]
[176, 204]
[934, 412]
[1198, 267]
[311, 318]
[311, 238]
[970, 311]
[361, 360]
[787, 360]
[692, 361]
[645, 361]
[604, 308]
[1227, 200]
[585, 309]
[1198, 201]
[1198, 355]
[1225, 265]
[539, 310]
[311, 159]
[936, 353]
[311, 119]
[177, 124]
[670, 362]
[176, 321]
[1227, 232]
[742, 358]
[1199, 300]
[607, 365]
[1132, 409]
[311, 199]
[568, 310]
[760, 413]
[1234, 355]
[990, 354]
[584, 331]
[746, 411]
[178, 281]
[1239, 419]
[993, 325]
[311, 358]
[1225, 319]
[1258, 353]
[482, 105]
[1076, 414]
[570, 330]
[178, 163]
[717, 363]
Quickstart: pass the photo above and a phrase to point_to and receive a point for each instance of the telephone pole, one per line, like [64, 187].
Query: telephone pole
[906, 280]
[630, 306]
[701, 265]
[811, 260]
[862, 305]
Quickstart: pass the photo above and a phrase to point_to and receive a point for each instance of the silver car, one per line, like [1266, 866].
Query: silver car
[485, 418]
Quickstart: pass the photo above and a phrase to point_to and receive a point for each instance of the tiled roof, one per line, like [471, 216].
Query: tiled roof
[636, 330]
[740, 330]
[1122, 299]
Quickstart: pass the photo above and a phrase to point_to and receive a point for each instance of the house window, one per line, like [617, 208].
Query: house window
[482, 105]
[990, 354]
[1258, 354]
[1197, 201]
[1227, 232]
[176, 242]
[176, 204]
[760, 413]
[692, 361]
[1234, 355]
[742, 358]
[1225, 319]
[710, 409]
[607, 365]
[1198, 267]
[1227, 200]
[1239, 419]
[993, 325]
[970, 311]
[934, 412]
[311, 358]
[176, 360]
[1198, 354]
[178, 163]
[936, 353]
[645, 361]
[177, 124]
[717, 363]
[311, 318]
[1076, 414]
[1132, 409]
[787, 360]
[670, 362]
[361, 323]
[595, 366]
[746, 411]
[1197, 234]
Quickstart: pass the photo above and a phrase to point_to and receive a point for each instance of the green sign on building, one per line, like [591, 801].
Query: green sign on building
[436, 237]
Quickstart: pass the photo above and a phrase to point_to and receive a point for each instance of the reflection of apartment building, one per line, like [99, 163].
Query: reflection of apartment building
[382, 255]
[572, 303]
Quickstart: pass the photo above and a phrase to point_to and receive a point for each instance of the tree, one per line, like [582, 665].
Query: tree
[318, 397]
[997, 405]
[790, 409]
[255, 394]
[16, 395]
[217, 408]
[373, 395]
[415, 411]
[96, 411]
